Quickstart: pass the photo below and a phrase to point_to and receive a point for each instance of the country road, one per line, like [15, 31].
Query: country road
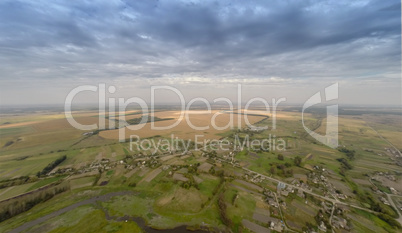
[334, 201]
[379, 135]
[389, 196]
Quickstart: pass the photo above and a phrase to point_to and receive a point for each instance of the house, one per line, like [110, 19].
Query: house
[280, 186]
[284, 193]
[339, 222]
[300, 193]
[393, 191]
[322, 227]
[272, 202]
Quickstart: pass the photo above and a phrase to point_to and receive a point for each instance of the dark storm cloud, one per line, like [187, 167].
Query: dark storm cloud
[26, 24]
[207, 39]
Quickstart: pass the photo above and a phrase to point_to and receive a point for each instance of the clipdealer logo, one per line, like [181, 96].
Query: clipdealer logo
[147, 112]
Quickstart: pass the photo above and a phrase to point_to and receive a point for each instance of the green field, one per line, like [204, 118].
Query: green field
[164, 202]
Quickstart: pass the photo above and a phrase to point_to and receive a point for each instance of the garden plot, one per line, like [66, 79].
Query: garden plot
[179, 177]
[249, 185]
[204, 167]
[132, 172]
[255, 227]
[151, 175]
[262, 215]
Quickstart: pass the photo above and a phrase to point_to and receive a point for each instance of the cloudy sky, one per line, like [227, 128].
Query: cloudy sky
[275, 49]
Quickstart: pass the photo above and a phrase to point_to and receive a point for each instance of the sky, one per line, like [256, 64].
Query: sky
[273, 49]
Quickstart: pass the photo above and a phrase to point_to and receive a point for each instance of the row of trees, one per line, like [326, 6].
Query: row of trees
[282, 170]
[51, 166]
[20, 204]
[223, 210]
[349, 153]
[17, 181]
[297, 160]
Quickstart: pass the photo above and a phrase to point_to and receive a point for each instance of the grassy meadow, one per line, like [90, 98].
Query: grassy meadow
[29, 142]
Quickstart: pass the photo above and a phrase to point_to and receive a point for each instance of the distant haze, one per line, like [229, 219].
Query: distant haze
[274, 49]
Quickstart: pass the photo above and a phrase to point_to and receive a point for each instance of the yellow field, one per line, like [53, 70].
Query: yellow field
[183, 130]
[16, 120]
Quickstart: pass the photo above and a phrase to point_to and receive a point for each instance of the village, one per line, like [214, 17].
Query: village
[333, 204]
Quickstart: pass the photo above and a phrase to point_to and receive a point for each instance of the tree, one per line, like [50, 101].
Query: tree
[349, 153]
[273, 170]
[288, 172]
[280, 156]
[297, 160]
